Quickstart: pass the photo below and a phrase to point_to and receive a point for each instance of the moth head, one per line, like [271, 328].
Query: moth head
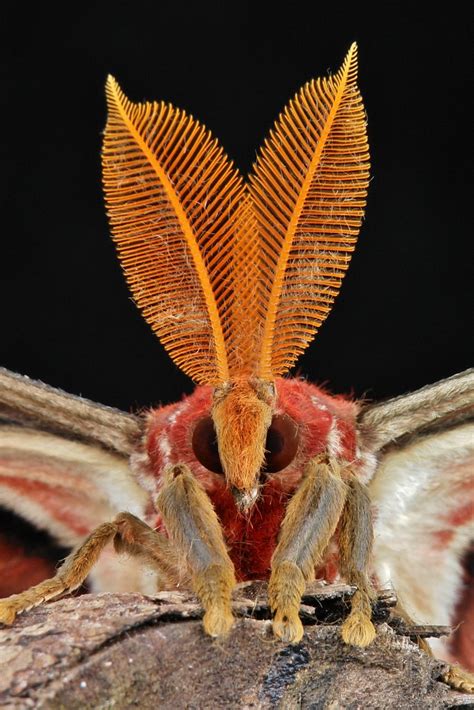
[246, 438]
[242, 413]
[236, 277]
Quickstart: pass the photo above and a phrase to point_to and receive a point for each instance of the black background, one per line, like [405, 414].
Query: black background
[403, 317]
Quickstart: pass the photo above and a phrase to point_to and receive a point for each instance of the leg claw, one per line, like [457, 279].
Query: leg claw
[287, 626]
[459, 679]
[7, 613]
[218, 621]
[358, 630]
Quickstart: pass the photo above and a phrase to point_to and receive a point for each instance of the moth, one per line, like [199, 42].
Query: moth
[256, 475]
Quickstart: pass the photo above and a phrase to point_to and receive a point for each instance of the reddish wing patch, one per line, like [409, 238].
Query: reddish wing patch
[19, 569]
[27, 555]
[66, 507]
[60, 486]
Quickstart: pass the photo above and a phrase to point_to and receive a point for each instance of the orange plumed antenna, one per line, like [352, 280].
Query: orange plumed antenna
[236, 279]
[180, 219]
[309, 192]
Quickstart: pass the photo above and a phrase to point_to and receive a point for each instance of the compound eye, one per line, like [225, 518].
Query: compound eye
[282, 443]
[204, 445]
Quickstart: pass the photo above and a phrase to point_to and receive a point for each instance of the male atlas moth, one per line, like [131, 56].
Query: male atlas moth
[255, 475]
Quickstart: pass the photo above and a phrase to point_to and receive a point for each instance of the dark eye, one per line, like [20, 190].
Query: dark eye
[282, 443]
[205, 445]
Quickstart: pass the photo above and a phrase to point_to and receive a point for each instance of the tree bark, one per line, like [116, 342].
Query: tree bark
[126, 650]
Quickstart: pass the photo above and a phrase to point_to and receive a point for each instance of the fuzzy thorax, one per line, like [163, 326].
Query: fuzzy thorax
[242, 412]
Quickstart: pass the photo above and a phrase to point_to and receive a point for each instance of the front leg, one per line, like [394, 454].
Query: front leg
[129, 534]
[309, 523]
[355, 544]
[194, 527]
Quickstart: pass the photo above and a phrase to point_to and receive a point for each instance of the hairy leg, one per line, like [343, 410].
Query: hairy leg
[136, 538]
[194, 527]
[459, 678]
[309, 523]
[126, 530]
[355, 543]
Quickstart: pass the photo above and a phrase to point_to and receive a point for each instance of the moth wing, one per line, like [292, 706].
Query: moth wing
[423, 496]
[29, 402]
[64, 468]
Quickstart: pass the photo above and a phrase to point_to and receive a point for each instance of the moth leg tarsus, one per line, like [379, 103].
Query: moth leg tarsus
[287, 625]
[214, 588]
[285, 590]
[218, 620]
[7, 612]
[310, 521]
[459, 679]
[195, 530]
[358, 629]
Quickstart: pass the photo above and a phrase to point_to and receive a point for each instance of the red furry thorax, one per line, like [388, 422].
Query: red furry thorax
[325, 423]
